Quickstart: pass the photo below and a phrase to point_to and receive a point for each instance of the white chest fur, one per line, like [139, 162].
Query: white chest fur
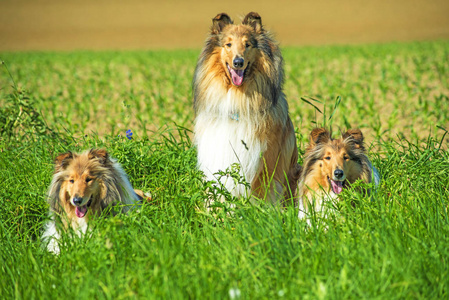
[51, 235]
[222, 141]
[80, 226]
[320, 201]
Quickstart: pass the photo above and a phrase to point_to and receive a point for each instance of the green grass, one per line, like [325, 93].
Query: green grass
[395, 245]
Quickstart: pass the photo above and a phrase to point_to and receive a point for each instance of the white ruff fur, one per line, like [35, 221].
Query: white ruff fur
[317, 201]
[52, 235]
[222, 140]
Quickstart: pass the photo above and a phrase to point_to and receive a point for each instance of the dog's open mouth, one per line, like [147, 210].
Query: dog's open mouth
[81, 211]
[337, 186]
[237, 76]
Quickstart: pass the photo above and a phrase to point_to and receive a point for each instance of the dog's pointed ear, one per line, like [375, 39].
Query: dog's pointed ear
[254, 20]
[101, 154]
[319, 135]
[220, 22]
[63, 160]
[356, 135]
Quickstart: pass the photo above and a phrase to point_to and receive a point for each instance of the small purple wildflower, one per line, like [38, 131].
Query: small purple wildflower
[129, 134]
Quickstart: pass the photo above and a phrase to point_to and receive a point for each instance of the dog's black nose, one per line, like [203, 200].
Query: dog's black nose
[77, 200]
[238, 62]
[338, 173]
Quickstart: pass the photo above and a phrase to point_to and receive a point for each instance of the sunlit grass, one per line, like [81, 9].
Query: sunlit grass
[387, 90]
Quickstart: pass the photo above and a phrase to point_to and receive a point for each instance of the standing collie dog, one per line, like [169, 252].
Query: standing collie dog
[84, 185]
[330, 165]
[241, 110]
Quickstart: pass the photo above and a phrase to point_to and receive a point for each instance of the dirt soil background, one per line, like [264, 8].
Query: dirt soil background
[111, 24]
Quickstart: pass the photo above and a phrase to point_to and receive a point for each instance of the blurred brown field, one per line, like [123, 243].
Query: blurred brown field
[137, 24]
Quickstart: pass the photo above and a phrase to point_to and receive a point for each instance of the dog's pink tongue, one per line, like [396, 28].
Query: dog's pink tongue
[81, 211]
[237, 76]
[337, 186]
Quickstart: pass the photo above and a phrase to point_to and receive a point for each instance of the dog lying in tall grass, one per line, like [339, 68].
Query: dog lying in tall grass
[331, 165]
[241, 111]
[85, 185]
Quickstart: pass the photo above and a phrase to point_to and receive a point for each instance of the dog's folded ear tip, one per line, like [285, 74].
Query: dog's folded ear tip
[251, 16]
[254, 20]
[100, 153]
[61, 161]
[221, 16]
[356, 134]
[319, 134]
[219, 22]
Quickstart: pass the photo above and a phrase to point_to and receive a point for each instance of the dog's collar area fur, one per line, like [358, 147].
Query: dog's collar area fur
[234, 116]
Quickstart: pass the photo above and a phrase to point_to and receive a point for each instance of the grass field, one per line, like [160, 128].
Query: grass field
[395, 245]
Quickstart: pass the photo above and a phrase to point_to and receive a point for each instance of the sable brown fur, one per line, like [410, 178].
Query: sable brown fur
[95, 176]
[265, 76]
[258, 101]
[324, 155]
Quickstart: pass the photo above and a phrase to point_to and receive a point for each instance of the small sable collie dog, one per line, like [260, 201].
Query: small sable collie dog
[241, 110]
[330, 165]
[84, 185]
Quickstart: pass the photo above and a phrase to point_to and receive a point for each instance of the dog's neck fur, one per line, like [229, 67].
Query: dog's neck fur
[215, 98]
[262, 87]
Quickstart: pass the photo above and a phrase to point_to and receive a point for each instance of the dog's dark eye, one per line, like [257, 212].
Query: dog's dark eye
[346, 157]
[327, 158]
[72, 181]
[247, 45]
[228, 45]
[88, 179]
